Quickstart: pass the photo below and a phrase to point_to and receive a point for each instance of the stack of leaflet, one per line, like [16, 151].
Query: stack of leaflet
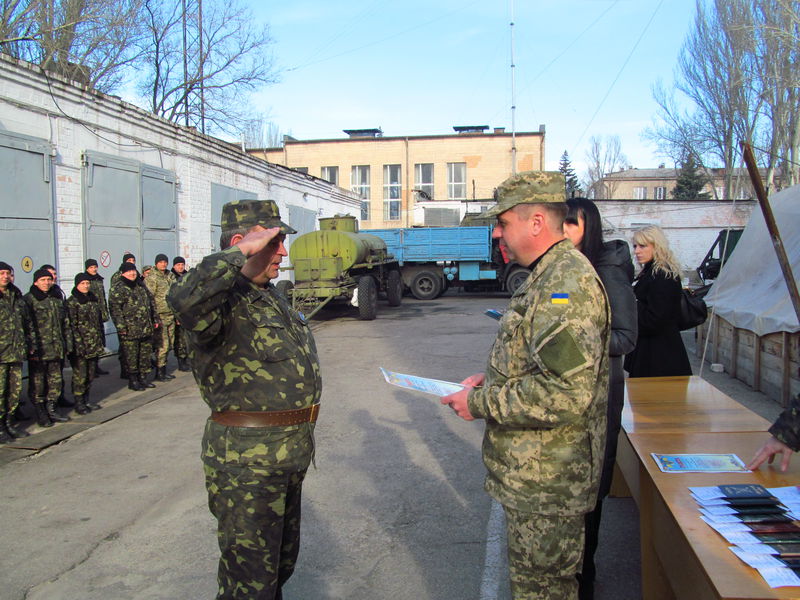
[760, 523]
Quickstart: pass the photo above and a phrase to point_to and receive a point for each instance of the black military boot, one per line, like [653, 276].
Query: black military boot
[133, 383]
[42, 419]
[12, 430]
[183, 364]
[91, 404]
[80, 405]
[144, 383]
[161, 374]
[5, 437]
[50, 405]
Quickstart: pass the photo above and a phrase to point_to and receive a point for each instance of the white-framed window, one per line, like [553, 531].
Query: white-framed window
[423, 181]
[457, 181]
[359, 183]
[660, 192]
[391, 192]
[640, 193]
[331, 174]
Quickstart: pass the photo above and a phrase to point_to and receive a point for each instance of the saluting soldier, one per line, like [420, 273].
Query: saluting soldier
[180, 344]
[158, 282]
[98, 289]
[132, 312]
[16, 344]
[544, 392]
[53, 344]
[255, 361]
[87, 342]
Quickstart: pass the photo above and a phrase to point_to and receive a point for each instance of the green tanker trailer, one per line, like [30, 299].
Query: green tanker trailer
[338, 263]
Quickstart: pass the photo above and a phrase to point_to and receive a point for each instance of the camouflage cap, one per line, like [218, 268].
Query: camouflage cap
[530, 187]
[243, 214]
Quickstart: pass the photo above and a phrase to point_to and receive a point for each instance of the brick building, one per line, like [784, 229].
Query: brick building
[657, 184]
[393, 174]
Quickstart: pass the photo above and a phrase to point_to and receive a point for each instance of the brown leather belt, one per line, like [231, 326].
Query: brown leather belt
[271, 418]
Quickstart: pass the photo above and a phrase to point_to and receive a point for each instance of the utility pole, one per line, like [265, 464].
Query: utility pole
[513, 103]
[185, 69]
[202, 64]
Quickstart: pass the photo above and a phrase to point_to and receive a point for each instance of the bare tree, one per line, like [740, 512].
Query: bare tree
[261, 133]
[603, 157]
[90, 41]
[226, 56]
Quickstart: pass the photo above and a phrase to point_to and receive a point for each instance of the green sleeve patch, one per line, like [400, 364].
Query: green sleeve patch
[561, 355]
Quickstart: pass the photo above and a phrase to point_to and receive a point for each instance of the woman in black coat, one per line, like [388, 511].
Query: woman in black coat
[612, 261]
[659, 351]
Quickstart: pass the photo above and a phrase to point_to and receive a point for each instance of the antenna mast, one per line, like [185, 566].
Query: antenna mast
[513, 102]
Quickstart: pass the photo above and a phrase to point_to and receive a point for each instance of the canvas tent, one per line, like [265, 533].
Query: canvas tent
[750, 292]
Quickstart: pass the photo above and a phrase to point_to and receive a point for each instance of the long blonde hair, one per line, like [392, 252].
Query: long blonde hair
[664, 259]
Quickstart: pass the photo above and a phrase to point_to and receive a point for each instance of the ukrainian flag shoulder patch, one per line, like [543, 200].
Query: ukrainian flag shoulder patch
[559, 298]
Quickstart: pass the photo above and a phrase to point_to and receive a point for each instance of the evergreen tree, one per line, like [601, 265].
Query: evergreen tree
[690, 181]
[572, 187]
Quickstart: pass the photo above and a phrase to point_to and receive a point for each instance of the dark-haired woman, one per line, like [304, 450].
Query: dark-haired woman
[612, 261]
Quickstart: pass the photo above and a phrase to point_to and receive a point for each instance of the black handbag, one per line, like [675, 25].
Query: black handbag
[694, 311]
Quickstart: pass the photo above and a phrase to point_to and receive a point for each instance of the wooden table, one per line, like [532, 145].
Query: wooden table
[682, 557]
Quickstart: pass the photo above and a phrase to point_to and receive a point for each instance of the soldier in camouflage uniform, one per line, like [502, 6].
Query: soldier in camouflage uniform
[785, 438]
[116, 277]
[132, 312]
[256, 363]
[87, 342]
[16, 344]
[544, 392]
[158, 282]
[180, 342]
[53, 344]
[98, 289]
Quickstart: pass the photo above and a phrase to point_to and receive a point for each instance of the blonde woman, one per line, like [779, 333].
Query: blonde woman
[659, 348]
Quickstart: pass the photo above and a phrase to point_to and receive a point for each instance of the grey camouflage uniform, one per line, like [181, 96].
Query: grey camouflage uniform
[250, 352]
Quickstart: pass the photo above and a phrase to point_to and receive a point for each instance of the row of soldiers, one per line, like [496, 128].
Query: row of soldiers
[46, 327]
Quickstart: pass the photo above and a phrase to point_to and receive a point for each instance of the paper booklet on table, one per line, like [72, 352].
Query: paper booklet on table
[699, 463]
[425, 385]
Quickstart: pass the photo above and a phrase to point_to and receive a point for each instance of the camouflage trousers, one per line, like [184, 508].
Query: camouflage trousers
[46, 379]
[136, 355]
[165, 342]
[180, 343]
[10, 387]
[82, 374]
[258, 530]
[544, 555]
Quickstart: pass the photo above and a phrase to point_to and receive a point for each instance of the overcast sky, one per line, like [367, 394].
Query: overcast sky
[419, 67]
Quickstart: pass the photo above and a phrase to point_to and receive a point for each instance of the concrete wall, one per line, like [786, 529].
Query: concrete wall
[74, 120]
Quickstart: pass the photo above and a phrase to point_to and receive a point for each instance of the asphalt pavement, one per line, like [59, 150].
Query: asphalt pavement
[112, 504]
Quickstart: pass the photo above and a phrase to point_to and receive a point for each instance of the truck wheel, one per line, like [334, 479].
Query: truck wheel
[394, 288]
[367, 298]
[284, 287]
[516, 278]
[426, 285]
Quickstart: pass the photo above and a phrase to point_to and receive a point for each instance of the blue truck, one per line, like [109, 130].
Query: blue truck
[433, 258]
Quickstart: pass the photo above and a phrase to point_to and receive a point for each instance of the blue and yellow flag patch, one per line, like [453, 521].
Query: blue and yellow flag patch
[559, 298]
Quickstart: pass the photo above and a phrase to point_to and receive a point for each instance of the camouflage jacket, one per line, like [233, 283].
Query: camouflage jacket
[84, 315]
[98, 289]
[545, 394]
[787, 426]
[131, 309]
[158, 283]
[16, 334]
[250, 352]
[50, 324]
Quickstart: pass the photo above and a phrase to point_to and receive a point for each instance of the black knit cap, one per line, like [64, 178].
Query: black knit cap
[81, 277]
[127, 267]
[90, 262]
[42, 272]
[160, 257]
[4, 266]
[126, 256]
[178, 260]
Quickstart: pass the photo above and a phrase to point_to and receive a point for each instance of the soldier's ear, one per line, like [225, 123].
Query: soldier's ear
[236, 238]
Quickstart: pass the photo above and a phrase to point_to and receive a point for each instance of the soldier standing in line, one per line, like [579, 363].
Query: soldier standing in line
[159, 282]
[544, 392]
[53, 344]
[180, 343]
[57, 292]
[16, 344]
[99, 290]
[116, 277]
[132, 312]
[87, 342]
[256, 363]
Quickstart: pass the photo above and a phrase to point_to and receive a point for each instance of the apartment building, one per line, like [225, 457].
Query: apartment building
[394, 175]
